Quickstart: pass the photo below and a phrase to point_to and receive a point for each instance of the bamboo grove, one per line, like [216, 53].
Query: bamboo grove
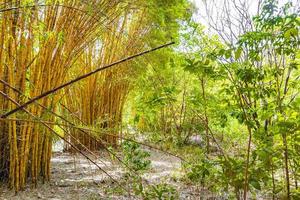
[99, 100]
[97, 73]
[39, 43]
[45, 43]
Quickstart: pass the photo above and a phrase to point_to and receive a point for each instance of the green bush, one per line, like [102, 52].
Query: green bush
[134, 157]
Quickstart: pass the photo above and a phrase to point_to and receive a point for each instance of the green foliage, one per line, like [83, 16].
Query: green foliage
[199, 172]
[137, 159]
[134, 157]
[159, 191]
[231, 91]
[165, 17]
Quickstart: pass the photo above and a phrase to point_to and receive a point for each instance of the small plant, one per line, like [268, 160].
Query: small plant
[197, 173]
[112, 153]
[134, 157]
[137, 159]
[161, 191]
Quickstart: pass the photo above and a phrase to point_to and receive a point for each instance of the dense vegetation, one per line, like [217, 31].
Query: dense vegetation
[234, 89]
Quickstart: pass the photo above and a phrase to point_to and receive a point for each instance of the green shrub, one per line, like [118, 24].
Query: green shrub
[135, 158]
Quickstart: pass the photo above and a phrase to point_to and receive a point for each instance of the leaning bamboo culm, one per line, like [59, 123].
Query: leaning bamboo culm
[39, 44]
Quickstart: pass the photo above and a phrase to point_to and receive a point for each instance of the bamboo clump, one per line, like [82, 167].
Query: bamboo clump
[38, 46]
[99, 100]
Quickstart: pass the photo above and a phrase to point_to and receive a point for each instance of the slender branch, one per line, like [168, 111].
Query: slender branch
[95, 131]
[72, 145]
[72, 125]
[101, 68]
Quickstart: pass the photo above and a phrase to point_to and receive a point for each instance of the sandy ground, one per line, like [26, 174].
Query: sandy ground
[73, 177]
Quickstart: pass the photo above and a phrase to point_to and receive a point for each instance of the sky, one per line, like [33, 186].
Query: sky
[252, 7]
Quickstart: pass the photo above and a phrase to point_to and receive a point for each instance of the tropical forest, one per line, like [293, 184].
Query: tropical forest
[150, 99]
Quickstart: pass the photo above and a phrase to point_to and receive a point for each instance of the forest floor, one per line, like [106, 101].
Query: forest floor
[74, 177]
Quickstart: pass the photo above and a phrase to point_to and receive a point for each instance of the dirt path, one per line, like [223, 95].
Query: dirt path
[73, 177]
